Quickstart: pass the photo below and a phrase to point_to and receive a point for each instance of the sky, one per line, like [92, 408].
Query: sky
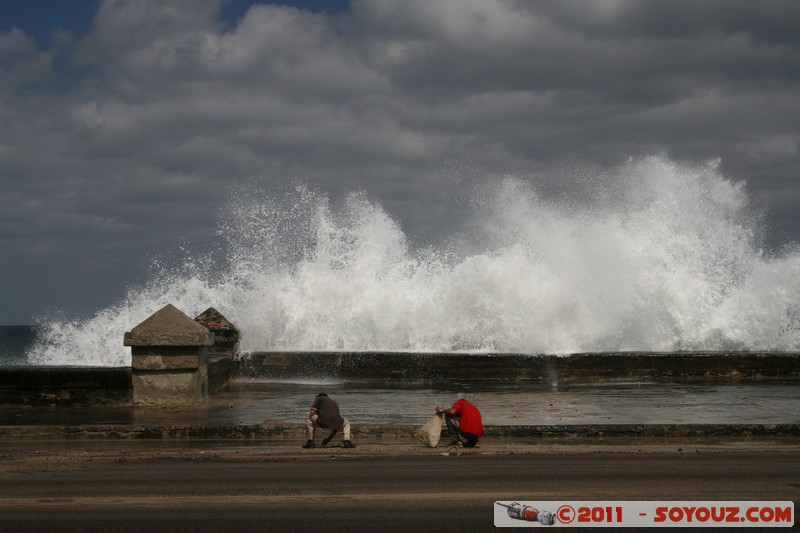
[125, 125]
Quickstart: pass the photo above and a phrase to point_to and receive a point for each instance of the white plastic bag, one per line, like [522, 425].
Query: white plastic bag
[431, 432]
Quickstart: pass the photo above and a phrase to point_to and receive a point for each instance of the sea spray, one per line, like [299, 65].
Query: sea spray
[659, 257]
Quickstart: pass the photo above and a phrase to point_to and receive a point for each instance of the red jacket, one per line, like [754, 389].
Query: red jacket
[469, 417]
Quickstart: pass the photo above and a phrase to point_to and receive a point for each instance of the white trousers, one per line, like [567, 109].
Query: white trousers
[311, 425]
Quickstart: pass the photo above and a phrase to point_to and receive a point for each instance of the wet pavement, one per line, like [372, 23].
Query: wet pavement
[247, 402]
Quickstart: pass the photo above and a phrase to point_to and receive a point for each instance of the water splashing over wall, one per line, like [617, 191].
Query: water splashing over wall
[664, 258]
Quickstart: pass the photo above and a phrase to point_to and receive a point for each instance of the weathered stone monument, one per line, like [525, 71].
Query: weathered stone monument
[221, 354]
[169, 359]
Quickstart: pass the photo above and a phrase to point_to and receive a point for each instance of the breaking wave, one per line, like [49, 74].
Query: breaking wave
[663, 257]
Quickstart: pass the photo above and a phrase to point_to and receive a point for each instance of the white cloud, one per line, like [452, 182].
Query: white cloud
[469, 24]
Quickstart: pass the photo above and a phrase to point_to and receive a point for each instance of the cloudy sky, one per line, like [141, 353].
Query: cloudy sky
[124, 125]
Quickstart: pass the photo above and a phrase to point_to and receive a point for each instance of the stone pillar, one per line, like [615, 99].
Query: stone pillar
[221, 354]
[169, 359]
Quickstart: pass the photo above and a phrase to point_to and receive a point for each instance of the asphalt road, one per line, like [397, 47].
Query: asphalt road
[356, 490]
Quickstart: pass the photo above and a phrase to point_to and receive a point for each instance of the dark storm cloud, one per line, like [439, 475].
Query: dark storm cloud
[20, 61]
[663, 18]
[132, 148]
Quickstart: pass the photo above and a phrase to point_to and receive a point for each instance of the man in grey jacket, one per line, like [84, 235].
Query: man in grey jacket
[324, 414]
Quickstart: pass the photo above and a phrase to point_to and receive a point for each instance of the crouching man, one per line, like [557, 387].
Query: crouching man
[463, 423]
[324, 414]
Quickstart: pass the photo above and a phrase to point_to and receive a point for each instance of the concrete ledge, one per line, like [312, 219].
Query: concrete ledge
[689, 366]
[285, 431]
[42, 385]
[65, 385]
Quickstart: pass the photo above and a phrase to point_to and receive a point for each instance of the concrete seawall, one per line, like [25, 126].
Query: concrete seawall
[73, 385]
[187, 380]
[643, 366]
[280, 431]
[262, 402]
[81, 385]
[65, 385]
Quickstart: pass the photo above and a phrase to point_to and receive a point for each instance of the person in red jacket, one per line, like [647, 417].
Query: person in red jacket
[463, 423]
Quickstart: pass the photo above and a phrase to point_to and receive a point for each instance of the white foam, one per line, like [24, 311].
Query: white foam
[664, 259]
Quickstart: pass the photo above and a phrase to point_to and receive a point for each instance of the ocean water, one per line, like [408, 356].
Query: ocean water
[660, 257]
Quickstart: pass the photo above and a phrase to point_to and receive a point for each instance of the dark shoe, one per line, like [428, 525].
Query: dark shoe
[457, 444]
[327, 439]
[309, 444]
[349, 444]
